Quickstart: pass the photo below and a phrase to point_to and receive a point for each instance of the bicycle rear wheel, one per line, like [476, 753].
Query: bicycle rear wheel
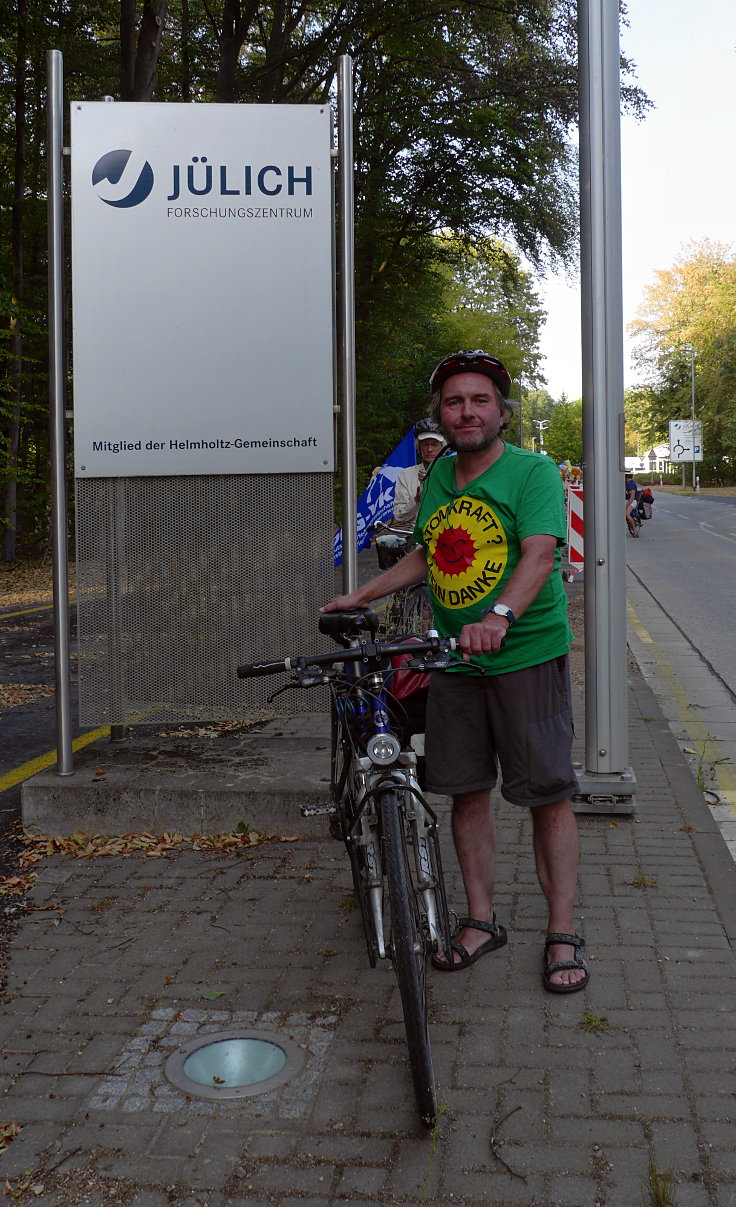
[416, 612]
[408, 954]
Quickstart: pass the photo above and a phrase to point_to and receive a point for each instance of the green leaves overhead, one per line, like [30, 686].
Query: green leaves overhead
[464, 114]
[690, 306]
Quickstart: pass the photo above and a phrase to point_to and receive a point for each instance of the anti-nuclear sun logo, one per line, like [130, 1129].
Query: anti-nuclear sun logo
[468, 551]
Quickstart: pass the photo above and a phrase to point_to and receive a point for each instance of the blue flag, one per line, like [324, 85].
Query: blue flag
[377, 500]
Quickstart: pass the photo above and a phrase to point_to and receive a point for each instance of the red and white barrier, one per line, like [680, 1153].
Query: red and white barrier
[575, 543]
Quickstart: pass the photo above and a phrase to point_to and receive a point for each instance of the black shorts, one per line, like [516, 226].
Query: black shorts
[521, 720]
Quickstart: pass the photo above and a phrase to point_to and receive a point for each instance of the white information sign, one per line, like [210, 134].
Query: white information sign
[202, 289]
[683, 434]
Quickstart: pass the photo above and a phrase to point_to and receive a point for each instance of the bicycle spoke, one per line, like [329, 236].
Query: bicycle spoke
[408, 953]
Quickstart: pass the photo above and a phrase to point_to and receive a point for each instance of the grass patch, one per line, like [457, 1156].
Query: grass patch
[660, 1188]
[594, 1024]
[642, 881]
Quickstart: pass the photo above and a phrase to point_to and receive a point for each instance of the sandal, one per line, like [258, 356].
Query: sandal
[575, 942]
[498, 939]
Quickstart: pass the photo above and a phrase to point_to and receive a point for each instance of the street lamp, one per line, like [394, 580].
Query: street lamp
[541, 425]
[689, 348]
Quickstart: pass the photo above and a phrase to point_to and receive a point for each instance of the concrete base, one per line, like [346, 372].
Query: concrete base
[164, 783]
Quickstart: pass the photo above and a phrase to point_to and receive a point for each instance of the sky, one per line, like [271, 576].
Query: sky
[678, 165]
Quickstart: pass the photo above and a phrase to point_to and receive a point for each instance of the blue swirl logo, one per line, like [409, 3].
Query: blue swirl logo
[129, 181]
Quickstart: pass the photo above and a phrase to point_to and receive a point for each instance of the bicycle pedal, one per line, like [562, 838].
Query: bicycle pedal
[317, 810]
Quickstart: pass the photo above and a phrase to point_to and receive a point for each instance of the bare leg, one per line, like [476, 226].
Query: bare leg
[556, 854]
[474, 834]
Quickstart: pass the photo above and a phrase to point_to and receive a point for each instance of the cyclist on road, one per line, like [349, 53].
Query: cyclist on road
[490, 526]
[429, 442]
[632, 494]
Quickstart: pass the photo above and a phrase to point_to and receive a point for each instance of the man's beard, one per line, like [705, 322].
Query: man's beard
[476, 442]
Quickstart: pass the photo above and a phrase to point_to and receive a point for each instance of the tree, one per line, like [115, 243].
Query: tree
[463, 119]
[691, 307]
[492, 303]
[564, 436]
[139, 57]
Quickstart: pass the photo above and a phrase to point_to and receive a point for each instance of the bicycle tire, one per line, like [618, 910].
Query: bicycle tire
[408, 954]
[390, 613]
[416, 612]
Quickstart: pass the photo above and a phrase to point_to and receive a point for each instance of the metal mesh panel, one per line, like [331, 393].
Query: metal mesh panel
[181, 578]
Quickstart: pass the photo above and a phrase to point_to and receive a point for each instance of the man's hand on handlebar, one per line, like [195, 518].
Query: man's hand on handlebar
[345, 603]
[485, 637]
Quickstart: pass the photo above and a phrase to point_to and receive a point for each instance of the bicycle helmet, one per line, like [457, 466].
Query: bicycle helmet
[427, 429]
[477, 361]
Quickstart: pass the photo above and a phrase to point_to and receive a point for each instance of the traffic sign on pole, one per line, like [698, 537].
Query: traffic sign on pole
[686, 440]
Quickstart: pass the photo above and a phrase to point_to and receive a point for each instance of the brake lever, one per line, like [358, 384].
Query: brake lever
[285, 687]
[428, 664]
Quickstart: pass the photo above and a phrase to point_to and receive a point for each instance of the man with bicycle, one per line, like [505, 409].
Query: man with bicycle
[490, 525]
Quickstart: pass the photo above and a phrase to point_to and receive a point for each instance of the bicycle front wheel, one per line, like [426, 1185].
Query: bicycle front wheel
[408, 954]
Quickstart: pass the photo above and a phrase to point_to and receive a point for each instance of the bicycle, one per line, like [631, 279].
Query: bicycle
[409, 611]
[635, 517]
[379, 812]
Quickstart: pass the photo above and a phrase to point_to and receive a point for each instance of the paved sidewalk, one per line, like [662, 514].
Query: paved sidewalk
[550, 1101]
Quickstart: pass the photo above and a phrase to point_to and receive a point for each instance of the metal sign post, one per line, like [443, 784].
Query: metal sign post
[60, 555]
[607, 783]
[346, 320]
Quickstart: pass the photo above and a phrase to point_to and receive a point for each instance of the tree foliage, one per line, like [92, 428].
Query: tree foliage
[564, 436]
[688, 320]
[463, 120]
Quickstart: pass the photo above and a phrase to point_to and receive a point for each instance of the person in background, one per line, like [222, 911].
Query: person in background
[632, 494]
[429, 442]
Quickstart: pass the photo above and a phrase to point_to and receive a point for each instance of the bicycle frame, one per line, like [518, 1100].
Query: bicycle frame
[362, 709]
[380, 813]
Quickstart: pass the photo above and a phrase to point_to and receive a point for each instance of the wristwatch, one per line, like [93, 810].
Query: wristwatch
[501, 610]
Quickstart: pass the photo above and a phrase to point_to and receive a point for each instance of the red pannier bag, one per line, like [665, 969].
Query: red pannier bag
[411, 688]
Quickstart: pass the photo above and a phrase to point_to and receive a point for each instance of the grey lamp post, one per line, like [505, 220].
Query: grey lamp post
[689, 348]
[541, 425]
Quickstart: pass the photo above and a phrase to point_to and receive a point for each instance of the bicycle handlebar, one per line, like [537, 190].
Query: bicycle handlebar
[380, 526]
[365, 651]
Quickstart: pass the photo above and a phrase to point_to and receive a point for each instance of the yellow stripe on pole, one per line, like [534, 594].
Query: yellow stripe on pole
[47, 760]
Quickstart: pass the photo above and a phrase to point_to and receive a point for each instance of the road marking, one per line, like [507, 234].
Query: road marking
[37, 608]
[25, 611]
[724, 536]
[11, 778]
[709, 752]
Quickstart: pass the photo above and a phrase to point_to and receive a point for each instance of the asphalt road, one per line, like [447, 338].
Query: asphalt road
[686, 559]
[28, 730]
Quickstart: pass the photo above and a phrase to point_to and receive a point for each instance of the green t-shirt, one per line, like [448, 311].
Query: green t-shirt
[473, 541]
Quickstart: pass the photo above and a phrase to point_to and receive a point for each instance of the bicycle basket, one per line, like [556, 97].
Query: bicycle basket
[390, 548]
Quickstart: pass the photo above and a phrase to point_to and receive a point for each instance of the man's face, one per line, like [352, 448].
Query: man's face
[428, 449]
[470, 412]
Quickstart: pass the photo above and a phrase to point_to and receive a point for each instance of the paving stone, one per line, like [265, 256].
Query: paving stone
[574, 1192]
[363, 1179]
[589, 1102]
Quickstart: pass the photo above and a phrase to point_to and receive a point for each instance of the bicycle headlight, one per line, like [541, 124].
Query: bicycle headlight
[383, 748]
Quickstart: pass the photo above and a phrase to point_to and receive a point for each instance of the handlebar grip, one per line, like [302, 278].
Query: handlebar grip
[251, 670]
